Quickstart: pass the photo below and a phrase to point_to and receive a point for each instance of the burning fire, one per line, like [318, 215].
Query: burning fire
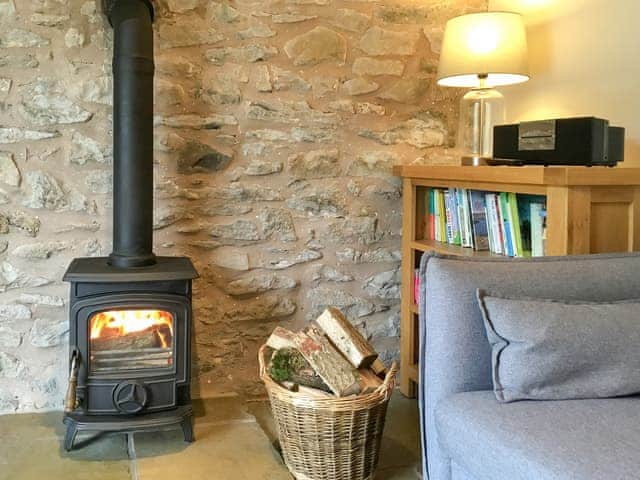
[124, 322]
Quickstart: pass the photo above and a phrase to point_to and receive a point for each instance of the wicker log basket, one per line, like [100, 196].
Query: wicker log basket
[329, 438]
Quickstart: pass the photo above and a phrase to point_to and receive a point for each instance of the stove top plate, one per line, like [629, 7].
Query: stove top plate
[98, 270]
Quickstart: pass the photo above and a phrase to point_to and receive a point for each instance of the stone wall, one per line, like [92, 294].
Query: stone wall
[277, 125]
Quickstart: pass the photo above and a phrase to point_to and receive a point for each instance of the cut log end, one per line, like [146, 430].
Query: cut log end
[288, 366]
[327, 361]
[346, 338]
[369, 381]
[378, 368]
[281, 338]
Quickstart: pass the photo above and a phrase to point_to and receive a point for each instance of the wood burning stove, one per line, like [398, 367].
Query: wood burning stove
[130, 338]
[130, 313]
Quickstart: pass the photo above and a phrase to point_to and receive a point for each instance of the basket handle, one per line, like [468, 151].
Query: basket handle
[261, 362]
[389, 377]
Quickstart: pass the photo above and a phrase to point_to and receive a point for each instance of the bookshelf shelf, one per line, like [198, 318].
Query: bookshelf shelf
[589, 210]
[428, 245]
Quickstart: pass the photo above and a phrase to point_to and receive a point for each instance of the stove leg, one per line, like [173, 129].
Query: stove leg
[70, 436]
[187, 429]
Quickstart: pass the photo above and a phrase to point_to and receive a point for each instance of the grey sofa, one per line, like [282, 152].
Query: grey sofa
[466, 433]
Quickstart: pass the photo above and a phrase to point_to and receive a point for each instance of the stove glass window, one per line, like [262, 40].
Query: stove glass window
[131, 340]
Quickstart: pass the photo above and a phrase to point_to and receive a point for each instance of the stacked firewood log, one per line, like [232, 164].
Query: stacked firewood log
[330, 358]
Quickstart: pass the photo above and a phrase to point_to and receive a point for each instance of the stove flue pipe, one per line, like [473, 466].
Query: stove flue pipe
[133, 70]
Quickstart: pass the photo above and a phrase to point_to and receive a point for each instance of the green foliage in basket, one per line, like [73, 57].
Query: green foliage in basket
[285, 363]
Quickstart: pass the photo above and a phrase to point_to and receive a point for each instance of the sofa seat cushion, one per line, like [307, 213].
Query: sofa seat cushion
[541, 440]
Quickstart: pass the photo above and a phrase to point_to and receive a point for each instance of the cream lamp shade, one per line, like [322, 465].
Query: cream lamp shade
[484, 50]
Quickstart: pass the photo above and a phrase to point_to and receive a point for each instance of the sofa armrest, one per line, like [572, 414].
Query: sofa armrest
[453, 358]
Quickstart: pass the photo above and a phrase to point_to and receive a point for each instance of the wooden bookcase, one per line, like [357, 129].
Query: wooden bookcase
[589, 210]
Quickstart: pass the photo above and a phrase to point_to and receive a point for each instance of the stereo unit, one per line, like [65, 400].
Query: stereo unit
[567, 141]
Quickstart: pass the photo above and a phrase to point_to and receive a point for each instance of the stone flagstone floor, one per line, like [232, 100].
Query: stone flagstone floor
[234, 441]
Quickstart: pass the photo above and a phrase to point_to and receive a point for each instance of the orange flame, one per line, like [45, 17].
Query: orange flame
[123, 322]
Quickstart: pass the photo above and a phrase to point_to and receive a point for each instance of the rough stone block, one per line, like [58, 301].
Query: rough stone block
[316, 46]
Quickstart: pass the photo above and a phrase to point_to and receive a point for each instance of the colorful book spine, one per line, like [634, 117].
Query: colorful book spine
[479, 221]
[514, 219]
[447, 219]
[526, 220]
[493, 222]
[500, 224]
[491, 235]
[455, 218]
[449, 216]
[506, 227]
[442, 216]
[466, 230]
[537, 226]
[416, 286]
[436, 216]
[432, 214]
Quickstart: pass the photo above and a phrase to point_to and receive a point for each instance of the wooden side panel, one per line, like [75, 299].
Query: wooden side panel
[407, 323]
[568, 220]
[422, 207]
[615, 216]
[610, 232]
[579, 220]
[634, 234]
[557, 221]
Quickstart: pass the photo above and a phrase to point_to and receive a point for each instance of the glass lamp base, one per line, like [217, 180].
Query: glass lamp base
[469, 161]
[480, 110]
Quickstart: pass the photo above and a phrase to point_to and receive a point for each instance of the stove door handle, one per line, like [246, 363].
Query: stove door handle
[71, 399]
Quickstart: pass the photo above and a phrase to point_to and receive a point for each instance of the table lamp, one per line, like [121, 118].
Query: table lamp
[482, 51]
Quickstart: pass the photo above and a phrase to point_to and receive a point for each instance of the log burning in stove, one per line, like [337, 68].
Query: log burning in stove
[130, 340]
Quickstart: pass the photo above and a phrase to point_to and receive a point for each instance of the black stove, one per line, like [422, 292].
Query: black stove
[130, 313]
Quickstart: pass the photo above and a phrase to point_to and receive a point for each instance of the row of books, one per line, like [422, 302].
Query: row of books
[502, 222]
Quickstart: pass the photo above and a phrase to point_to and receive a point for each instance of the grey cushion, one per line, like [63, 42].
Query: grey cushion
[561, 440]
[455, 355]
[553, 350]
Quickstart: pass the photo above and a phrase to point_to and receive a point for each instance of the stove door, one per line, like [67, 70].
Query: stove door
[134, 352]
